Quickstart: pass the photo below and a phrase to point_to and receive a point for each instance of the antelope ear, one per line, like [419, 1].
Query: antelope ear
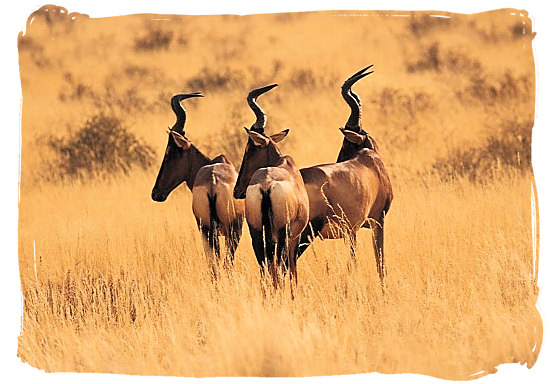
[278, 137]
[181, 141]
[257, 138]
[354, 137]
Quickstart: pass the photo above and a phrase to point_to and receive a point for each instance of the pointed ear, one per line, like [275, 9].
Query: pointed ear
[181, 141]
[354, 137]
[278, 137]
[257, 138]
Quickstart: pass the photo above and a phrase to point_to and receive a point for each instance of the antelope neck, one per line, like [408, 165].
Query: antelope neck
[199, 161]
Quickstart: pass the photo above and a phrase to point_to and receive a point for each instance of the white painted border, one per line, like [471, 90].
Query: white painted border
[14, 17]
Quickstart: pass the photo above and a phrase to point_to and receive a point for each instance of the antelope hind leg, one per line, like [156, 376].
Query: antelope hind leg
[232, 240]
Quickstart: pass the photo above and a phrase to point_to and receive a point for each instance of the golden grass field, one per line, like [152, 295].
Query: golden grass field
[113, 282]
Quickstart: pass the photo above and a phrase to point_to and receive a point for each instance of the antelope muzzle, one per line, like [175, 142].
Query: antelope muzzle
[158, 195]
[239, 192]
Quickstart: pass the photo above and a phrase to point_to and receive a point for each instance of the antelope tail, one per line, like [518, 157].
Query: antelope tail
[214, 221]
[267, 224]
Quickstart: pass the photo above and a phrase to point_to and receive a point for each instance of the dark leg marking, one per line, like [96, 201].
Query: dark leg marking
[233, 237]
[283, 248]
[210, 242]
[312, 230]
[378, 243]
[258, 245]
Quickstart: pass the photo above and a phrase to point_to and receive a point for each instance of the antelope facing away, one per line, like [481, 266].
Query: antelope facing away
[276, 199]
[353, 193]
[211, 182]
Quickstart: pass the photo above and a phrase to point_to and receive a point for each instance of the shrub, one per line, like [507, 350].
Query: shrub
[34, 49]
[509, 149]
[231, 142]
[303, 78]
[75, 90]
[208, 80]
[434, 59]
[307, 80]
[154, 39]
[521, 30]
[102, 146]
[421, 24]
[493, 89]
[392, 101]
[111, 98]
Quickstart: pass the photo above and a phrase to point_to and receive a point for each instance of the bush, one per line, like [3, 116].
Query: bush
[102, 146]
[207, 80]
[231, 142]
[510, 149]
[422, 24]
[153, 39]
[434, 59]
[521, 30]
[391, 101]
[306, 79]
[112, 98]
[34, 49]
[494, 89]
[75, 90]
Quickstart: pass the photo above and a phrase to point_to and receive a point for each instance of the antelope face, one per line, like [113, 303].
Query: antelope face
[175, 167]
[257, 154]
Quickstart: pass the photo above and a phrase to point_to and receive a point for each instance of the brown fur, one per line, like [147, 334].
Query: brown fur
[211, 182]
[217, 179]
[353, 193]
[266, 172]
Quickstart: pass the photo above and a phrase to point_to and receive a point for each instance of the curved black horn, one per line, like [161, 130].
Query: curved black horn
[354, 95]
[259, 125]
[361, 71]
[179, 111]
[353, 100]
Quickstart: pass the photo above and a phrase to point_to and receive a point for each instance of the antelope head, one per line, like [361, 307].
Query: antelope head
[177, 164]
[261, 150]
[355, 138]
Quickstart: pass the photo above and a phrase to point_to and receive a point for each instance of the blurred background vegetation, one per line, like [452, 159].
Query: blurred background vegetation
[452, 96]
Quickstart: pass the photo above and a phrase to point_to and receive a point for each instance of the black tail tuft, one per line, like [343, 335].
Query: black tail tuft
[267, 224]
[213, 239]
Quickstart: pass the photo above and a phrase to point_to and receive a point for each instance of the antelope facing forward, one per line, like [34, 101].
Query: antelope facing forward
[353, 193]
[276, 199]
[211, 182]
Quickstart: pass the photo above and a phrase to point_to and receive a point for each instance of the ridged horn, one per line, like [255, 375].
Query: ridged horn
[259, 125]
[353, 100]
[179, 126]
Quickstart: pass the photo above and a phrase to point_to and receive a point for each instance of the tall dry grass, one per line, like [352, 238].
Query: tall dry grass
[113, 282]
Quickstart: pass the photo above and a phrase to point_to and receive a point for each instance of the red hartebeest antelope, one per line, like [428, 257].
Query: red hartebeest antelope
[276, 199]
[211, 182]
[353, 193]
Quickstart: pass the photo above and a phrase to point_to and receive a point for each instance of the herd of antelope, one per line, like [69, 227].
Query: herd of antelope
[285, 207]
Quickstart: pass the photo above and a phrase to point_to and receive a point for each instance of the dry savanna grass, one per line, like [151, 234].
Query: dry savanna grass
[113, 282]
